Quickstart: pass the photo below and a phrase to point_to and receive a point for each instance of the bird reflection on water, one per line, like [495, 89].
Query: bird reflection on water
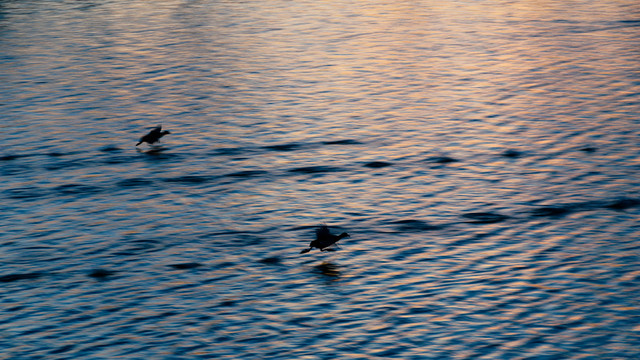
[328, 270]
[153, 150]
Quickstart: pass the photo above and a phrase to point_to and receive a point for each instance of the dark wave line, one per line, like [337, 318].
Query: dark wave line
[481, 218]
[377, 164]
[484, 217]
[113, 155]
[20, 276]
[73, 189]
[285, 147]
[550, 211]
[189, 179]
[134, 182]
[247, 173]
[315, 169]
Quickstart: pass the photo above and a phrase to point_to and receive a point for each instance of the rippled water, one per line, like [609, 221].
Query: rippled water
[483, 156]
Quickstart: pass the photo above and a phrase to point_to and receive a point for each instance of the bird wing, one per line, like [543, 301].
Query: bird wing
[322, 232]
[157, 129]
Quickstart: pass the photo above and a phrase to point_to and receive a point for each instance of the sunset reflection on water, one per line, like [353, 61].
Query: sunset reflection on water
[483, 157]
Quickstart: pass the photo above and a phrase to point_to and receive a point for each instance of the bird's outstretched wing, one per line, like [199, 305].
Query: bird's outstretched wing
[322, 232]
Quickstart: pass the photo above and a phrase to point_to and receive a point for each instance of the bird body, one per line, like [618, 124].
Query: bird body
[153, 136]
[324, 239]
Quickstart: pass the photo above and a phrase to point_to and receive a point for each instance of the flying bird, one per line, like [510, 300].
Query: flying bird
[153, 136]
[324, 239]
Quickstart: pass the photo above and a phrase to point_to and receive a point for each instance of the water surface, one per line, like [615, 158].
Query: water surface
[482, 155]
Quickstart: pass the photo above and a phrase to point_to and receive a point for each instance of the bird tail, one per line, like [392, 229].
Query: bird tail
[305, 251]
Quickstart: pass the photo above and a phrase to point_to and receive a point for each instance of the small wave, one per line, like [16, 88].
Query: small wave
[377, 164]
[484, 217]
[407, 253]
[303, 227]
[467, 240]
[246, 173]
[412, 225]
[185, 266]
[64, 165]
[10, 157]
[441, 160]
[189, 179]
[110, 148]
[20, 276]
[315, 169]
[134, 182]
[15, 168]
[560, 210]
[551, 211]
[588, 149]
[29, 192]
[283, 147]
[63, 349]
[272, 260]
[56, 154]
[342, 142]
[138, 247]
[229, 151]
[511, 153]
[623, 204]
[118, 160]
[73, 189]
[101, 273]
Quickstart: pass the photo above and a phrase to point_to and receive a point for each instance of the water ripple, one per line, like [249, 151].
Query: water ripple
[483, 157]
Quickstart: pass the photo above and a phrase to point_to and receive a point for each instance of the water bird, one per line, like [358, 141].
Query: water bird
[153, 135]
[324, 239]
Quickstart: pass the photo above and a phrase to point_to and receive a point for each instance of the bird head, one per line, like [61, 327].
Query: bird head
[344, 235]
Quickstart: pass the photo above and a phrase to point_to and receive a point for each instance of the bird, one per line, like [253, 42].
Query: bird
[324, 239]
[153, 135]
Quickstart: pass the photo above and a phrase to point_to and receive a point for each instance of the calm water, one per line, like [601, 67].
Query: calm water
[483, 156]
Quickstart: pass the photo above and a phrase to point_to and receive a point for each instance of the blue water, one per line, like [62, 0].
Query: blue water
[483, 156]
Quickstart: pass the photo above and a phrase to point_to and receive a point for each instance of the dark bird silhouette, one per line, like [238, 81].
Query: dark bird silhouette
[153, 136]
[324, 239]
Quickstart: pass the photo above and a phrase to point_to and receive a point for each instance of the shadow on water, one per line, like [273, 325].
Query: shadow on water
[157, 153]
[327, 271]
